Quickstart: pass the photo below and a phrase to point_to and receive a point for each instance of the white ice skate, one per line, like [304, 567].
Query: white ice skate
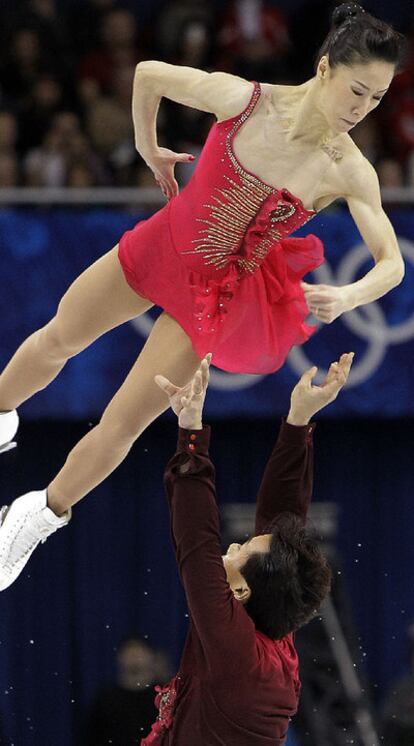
[9, 422]
[27, 522]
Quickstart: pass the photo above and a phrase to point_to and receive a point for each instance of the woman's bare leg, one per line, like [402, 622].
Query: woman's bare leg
[137, 403]
[100, 299]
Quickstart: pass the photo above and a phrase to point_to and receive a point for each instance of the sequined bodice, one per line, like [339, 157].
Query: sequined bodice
[226, 217]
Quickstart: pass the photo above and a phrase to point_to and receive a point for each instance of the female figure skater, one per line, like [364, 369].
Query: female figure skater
[216, 258]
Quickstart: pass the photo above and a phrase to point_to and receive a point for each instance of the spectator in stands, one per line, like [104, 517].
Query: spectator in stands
[44, 166]
[177, 16]
[64, 145]
[109, 117]
[44, 101]
[24, 62]
[186, 128]
[254, 33]
[195, 46]
[390, 172]
[309, 24]
[84, 167]
[9, 170]
[122, 713]
[84, 21]
[398, 713]
[68, 58]
[8, 132]
[118, 48]
[110, 126]
[9, 163]
[367, 138]
[43, 17]
[401, 125]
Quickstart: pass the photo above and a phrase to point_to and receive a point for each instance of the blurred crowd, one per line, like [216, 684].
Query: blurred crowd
[66, 73]
[123, 711]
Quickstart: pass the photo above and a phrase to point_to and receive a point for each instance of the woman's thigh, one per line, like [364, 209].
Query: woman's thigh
[139, 401]
[98, 300]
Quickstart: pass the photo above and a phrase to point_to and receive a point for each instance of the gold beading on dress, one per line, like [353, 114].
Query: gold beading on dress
[232, 211]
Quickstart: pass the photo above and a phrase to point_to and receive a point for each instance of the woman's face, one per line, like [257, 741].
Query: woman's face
[348, 94]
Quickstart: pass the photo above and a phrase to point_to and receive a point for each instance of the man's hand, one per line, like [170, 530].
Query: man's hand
[187, 402]
[307, 399]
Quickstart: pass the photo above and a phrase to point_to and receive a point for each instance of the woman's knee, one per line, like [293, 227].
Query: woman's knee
[120, 431]
[55, 342]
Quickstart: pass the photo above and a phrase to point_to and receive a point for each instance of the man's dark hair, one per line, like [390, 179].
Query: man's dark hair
[358, 37]
[288, 583]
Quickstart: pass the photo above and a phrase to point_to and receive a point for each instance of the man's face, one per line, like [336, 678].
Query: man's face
[237, 556]
[135, 666]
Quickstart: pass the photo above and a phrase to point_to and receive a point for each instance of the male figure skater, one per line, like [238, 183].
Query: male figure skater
[238, 682]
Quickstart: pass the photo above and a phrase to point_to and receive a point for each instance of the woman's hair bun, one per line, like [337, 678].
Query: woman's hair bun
[346, 12]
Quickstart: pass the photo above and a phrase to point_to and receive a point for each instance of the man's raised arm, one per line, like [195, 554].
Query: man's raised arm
[221, 623]
[288, 477]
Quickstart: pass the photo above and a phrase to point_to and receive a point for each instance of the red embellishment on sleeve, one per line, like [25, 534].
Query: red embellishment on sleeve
[165, 702]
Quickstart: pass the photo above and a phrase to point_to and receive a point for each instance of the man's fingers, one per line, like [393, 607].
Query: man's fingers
[308, 376]
[339, 371]
[332, 372]
[205, 372]
[343, 366]
[166, 385]
[197, 387]
[346, 361]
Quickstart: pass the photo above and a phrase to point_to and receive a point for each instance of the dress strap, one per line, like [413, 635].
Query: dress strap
[238, 119]
[245, 114]
[257, 91]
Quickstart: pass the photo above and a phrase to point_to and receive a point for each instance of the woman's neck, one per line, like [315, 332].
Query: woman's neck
[303, 118]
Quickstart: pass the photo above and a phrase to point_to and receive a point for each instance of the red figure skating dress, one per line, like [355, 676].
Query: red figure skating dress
[218, 259]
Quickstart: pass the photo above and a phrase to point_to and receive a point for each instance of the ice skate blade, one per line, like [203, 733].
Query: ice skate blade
[3, 512]
[8, 446]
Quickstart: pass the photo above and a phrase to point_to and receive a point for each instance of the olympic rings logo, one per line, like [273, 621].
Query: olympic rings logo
[368, 323]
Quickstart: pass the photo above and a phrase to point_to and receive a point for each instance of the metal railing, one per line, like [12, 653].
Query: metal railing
[131, 196]
[68, 196]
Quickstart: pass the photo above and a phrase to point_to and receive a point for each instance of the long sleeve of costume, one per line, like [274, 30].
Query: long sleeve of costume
[221, 623]
[288, 477]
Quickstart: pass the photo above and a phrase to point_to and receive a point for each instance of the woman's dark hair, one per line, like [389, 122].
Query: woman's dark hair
[288, 583]
[358, 37]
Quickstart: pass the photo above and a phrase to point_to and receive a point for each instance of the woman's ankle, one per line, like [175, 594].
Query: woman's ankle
[56, 504]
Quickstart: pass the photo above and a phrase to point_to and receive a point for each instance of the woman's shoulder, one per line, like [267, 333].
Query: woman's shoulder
[354, 161]
[357, 173]
[280, 91]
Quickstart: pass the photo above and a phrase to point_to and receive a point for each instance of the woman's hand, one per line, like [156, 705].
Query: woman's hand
[187, 401]
[327, 302]
[162, 164]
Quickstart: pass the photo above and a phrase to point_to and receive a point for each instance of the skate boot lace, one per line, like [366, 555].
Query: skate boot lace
[28, 531]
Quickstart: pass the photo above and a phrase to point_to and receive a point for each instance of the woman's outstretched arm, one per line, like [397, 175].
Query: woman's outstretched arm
[365, 206]
[364, 202]
[219, 93]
